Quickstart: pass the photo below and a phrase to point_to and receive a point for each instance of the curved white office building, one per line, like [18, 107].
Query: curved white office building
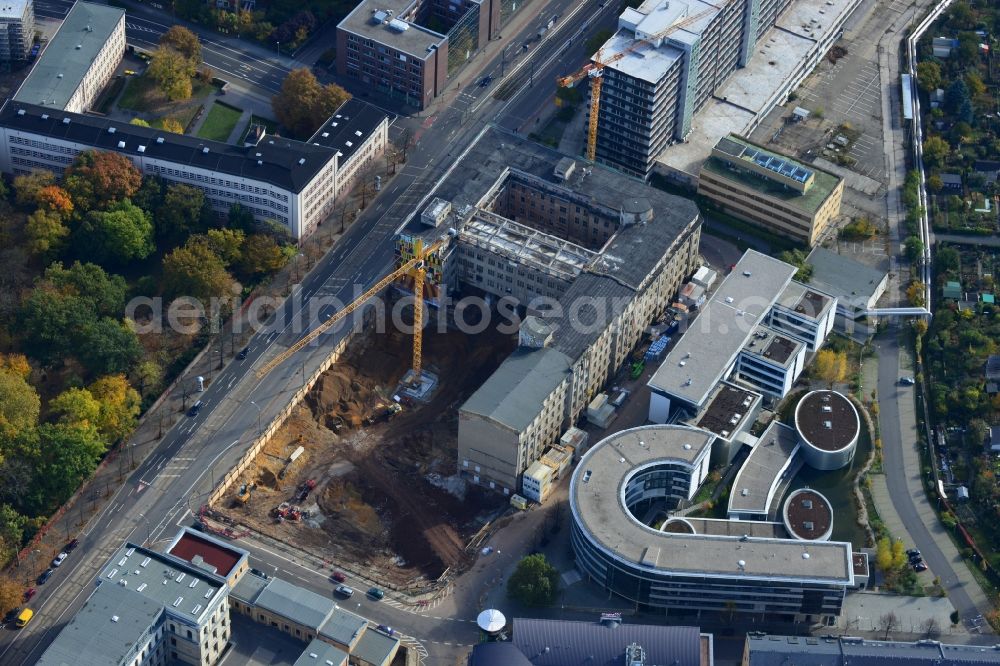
[691, 565]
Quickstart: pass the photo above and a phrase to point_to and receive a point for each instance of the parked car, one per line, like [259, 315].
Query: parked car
[30, 592]
[45, 576]
[258, 572]
[338, 576]
[913, 552]
[59, 559]
[11, 615]
[485, 81]
[71, 546]
[375, 593]
[389, 631]
[920, 566]
[344, 591]
[907, 381]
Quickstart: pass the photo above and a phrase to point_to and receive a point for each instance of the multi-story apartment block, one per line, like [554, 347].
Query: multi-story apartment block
[771, 190]
[591, 256]
[17, 30]
[290, 182]
[78, 61]
[407, 48]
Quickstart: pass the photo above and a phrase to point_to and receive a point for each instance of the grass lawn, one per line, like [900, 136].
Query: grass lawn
[219, 122]
[141, 94]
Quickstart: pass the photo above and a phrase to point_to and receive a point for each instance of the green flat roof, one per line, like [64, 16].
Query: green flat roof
[810, 201]
[62, 66]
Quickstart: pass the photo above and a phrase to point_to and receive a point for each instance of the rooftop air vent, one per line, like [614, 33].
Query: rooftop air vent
[357, 132]
[204, 151]
[45, 116]
[111, 130]
[178, 601]
[808, 524]
[742, 564]
[141, 588]
[348, 144]
[159, 139]
[827, 408]
[256, 154]
[142, 149]
[121, 144]
[747, 273]
[260, 162]
[65, 121]
[114, 618]
[59, 76]
[326, 135]
[79, 46]
[20, 112]
[302, 161]
[807, 504]
[687, 447]
[828, 425]
[805, 556]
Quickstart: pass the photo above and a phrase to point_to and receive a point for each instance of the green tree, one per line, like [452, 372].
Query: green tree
[48, 321]
[261, 256]
[119, 406]
[227, 244]
[936, 150]
[19, 408]
[138, 122]
[169, 125]
[181, 214]
[946, 259]
[535, 582]
[172, 73]
[975, 84]
[899, 556]
[194, 270]
[98, 179]
[108, 347]
[69, 454]
[76, 406]
[103, 292]
[798, 258]
[241, 218]
[121, 234]
[916, 294]
[184, 42]
[45, 233]
[596, 41]
[929, 76]
[934, 183]
[148, 375]
[914, 248]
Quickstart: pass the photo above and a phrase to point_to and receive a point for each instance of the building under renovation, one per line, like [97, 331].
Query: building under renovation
[587, 256]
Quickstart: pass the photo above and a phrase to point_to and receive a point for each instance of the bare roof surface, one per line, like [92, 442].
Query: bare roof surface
[827, 420]
[850, 281]
[600, 514]
[773, 346]
[576, 643]
[805, 301]
[70, 54]
[105, 630]
[295, 603]
[415, 40]
[766, 650]
[349, 127]
[761, 472]
[710, 346]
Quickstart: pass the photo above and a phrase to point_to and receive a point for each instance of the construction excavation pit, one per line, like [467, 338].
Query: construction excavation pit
[361, 473]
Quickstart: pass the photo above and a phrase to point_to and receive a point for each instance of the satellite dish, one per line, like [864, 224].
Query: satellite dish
[491, 621]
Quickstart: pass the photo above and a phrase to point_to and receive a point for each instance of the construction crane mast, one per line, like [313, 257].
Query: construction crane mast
[415, 268]
[595, 70]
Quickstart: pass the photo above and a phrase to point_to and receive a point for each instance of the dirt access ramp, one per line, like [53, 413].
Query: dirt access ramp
[386, 495]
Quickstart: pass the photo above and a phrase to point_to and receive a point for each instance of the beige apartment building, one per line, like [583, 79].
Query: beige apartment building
[771, 190]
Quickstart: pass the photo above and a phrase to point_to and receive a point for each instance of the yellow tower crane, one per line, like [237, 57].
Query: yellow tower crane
[415, 268]
[595, 70]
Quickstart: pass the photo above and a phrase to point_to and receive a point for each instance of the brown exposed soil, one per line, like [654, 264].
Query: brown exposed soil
[374, 503]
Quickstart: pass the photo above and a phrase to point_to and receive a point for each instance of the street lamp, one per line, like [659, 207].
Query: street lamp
[258, 416]
[148, 535]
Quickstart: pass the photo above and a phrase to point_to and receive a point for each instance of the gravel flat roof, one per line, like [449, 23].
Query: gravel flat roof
[827, 420]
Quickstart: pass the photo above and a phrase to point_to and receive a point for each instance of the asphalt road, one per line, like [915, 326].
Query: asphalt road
[904, 485]
[162, 493]
[230, 58]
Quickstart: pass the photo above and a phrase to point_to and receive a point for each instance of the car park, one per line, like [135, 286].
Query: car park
[344, 591]
[71, 546]
[59, 559]
[338, 576]
[45, 576]
[376, 593]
